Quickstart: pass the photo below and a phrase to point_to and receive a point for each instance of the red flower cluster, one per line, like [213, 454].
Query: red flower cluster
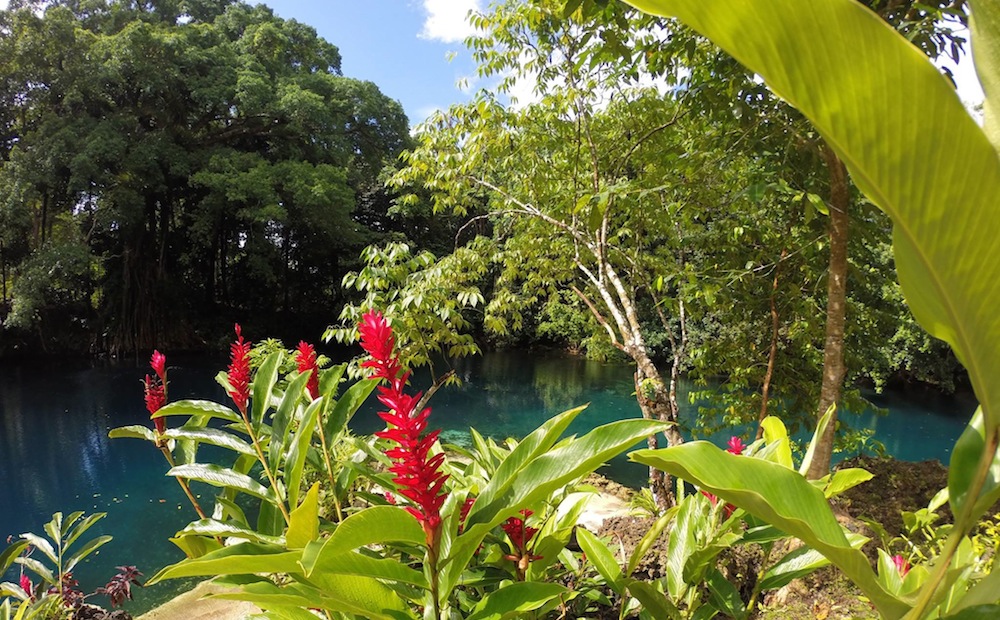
[520, 535]
[155, 389]
[305, 359]
[27, 586]
[239, 371]
[901, 565]
[418, 476]
[735, 446]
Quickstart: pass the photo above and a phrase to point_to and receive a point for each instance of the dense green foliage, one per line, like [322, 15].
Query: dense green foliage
[165, 163]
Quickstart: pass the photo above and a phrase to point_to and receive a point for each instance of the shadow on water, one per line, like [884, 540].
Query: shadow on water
[55, 453]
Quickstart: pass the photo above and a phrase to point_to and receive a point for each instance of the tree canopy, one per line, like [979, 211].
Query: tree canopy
[173, 161]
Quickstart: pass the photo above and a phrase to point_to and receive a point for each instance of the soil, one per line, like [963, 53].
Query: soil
[90, 612]
[825, 594]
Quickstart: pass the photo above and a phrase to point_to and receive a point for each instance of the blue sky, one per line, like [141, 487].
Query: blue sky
[403, 46]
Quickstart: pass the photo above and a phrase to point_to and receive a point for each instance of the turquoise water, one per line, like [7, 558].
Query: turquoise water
[55, 453]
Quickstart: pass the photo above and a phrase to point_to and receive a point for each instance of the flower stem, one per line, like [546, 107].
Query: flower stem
[183, 482]
[329, 472]
[263, 462]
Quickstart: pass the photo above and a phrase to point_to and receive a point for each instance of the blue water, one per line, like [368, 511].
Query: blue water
[55, 453]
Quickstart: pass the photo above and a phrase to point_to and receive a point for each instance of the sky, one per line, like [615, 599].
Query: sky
[413, 49]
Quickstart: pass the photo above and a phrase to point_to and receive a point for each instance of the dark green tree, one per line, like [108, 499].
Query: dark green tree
[210, 155]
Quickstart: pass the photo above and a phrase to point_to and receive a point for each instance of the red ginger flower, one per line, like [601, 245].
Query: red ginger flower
[901, 565]
[305, 359]
[155, 389]
[418, 475]
[239, 371]
[520, 535]
[27, 586]
[735, 446]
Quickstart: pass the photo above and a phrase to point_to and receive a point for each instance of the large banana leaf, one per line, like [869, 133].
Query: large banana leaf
[779, 496]
[907, 140]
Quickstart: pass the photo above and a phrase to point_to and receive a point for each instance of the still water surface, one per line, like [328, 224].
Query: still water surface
[55, 453]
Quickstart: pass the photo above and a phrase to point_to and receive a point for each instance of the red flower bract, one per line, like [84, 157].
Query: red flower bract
[239, 371]
[27, 586]
[519, 534]
[418, 475]
[305, 359]
[735, 446]
[158, 362]
[155, 389]
[901, 565]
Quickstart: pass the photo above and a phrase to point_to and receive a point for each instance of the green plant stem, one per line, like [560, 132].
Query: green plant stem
[760, 577]
[963, 523]
[329, 471]
[263, 462]
[183, 482]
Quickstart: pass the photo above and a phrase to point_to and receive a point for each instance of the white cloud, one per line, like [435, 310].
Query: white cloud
[447, 20]
[3, 4]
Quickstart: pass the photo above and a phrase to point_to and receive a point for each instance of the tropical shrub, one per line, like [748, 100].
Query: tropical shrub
[912, 148]
[52, 559]
[410, 532]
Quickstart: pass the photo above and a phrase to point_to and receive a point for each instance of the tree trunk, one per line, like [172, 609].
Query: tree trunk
[656, 403]
[836, 311]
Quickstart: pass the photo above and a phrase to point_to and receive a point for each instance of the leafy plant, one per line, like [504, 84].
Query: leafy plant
[389, 560]
[913, 149]
[56, 594]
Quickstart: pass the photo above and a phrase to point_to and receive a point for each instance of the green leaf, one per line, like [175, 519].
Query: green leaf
[329, 379]
[222, 477]
[979, 612]
[241, 559]
[514, 600]
[525, 478]
[776, 437]
[81, 527]
[298, 450]
[211, 436]
[196, 546]
[38, 568]
[228, 510]
[724, 595]
[374, 525]
[844, 479]
[985, 26]
[816, 438]
[962, 469]
[133, 432]
[214, 527]
[907, 140]
[603, 559]
[42, 544]
[653, 601]
[263, 384]
[354, 563]
[364, 597]
[9, 554]
[198, 408]
[303, 526]
[91, 546]
[778, 496]
[649, 539]
[279, 424]
[799, 563]
[347, 406]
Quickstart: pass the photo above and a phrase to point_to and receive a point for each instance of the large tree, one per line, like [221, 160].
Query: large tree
[208, 155]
